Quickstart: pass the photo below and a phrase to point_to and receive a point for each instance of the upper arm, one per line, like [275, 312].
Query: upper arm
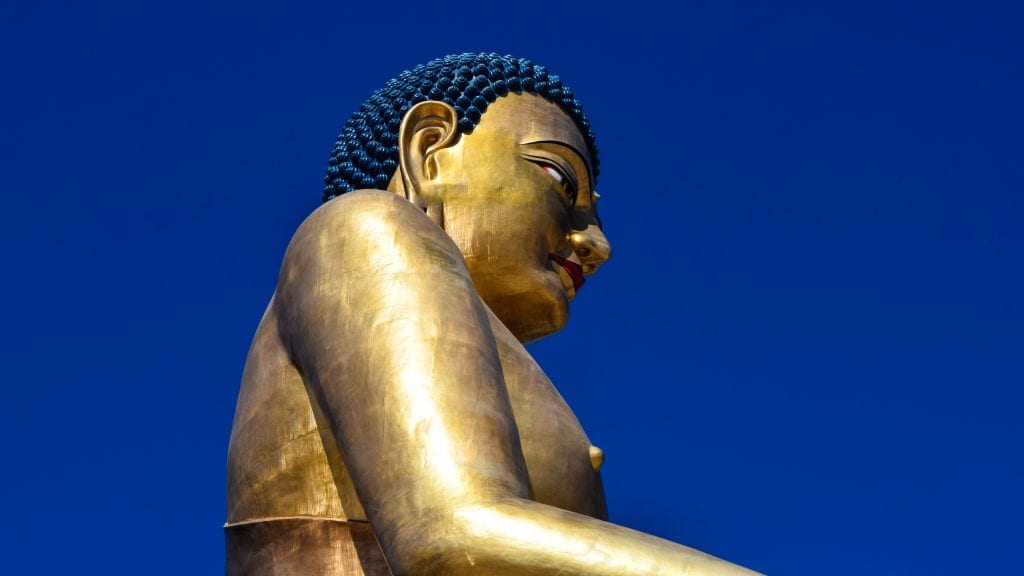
[381, 317]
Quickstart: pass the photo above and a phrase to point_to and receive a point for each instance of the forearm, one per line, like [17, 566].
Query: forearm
[523, 537]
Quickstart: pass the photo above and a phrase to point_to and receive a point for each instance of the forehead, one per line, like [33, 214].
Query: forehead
[530, 118]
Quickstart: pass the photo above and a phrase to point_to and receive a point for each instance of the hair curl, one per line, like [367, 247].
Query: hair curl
[366, 152]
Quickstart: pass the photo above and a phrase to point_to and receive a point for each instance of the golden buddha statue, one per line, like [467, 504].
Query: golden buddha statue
[390, 420]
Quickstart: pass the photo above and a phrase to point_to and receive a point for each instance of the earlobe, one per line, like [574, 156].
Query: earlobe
[427, 127]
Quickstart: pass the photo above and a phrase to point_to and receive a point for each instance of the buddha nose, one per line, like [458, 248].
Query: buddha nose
[591, 246]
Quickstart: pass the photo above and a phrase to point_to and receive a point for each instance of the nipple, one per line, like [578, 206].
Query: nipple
[596, 457]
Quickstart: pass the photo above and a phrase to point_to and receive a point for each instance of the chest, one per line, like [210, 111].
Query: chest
[557, 451]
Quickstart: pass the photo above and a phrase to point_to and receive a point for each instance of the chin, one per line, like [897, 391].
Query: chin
[533, 315]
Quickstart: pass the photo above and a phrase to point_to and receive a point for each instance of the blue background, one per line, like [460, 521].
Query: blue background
[804, 356]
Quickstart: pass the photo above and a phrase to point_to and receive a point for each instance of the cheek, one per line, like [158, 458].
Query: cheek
[515, 218]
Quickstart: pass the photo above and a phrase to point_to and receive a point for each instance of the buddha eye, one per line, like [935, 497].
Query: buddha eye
[562, 179]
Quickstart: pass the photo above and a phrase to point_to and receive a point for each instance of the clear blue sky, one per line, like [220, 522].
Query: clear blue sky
[805, 355]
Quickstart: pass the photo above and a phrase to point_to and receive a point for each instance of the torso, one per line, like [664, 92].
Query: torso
[284, 463]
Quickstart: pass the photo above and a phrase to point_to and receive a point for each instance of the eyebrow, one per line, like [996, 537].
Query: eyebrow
[582, 158]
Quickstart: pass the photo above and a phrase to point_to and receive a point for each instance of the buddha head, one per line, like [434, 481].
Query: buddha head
[499, 154]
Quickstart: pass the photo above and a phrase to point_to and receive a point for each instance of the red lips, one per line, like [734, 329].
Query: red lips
[575, 270]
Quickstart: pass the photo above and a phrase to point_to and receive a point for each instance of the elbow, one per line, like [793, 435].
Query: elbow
[429, 553]
[445, 559]
[464, 541]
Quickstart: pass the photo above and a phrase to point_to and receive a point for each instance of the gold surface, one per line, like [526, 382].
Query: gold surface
[388, 409]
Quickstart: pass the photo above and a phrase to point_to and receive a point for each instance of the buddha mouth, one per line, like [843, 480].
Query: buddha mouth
[574, 270]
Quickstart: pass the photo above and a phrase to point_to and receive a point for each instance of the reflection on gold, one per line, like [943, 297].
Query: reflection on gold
[596, 457]
[390, 420]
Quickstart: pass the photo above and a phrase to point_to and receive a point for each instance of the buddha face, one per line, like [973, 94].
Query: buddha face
[516, 197]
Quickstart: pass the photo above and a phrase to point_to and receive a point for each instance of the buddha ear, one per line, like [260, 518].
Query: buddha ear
[427, 127]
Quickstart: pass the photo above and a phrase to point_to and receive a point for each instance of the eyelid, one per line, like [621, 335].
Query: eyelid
[547, 164]
[562, 166]
[564, 153]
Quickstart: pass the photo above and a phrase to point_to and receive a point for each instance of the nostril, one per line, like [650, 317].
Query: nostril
[583, 251]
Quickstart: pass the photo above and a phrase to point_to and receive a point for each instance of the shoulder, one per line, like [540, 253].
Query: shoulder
[362, 209]
[367, 227]
[371, 252]
[365, 216]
